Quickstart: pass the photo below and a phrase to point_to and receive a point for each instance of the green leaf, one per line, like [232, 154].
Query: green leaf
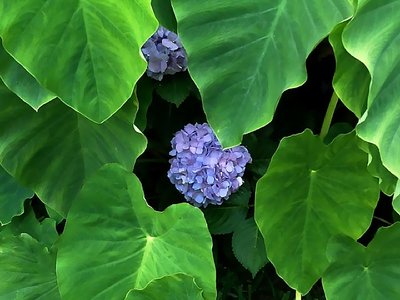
[54, 150]
[164, 13]
[175, 89]
[370, 273]
[18, 80]
[112, 232]
[44, 232]
[374, 41]
[396, 198]
[144, 92]
[179, 286]
[225, 218]
[248, 246]
[387, 180]
[86, 52]
[351, 80]
[12, 197]
[27, 269]
[243, 54]
[311, 192]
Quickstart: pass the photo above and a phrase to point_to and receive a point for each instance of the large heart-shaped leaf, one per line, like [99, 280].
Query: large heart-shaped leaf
[374, 41]
[86, 52]
[17, 79]
[311, 192]
[243, 54]
[12, 197]
[114, 242]
[179, 286]
[351, 80]
[370, 273]
[54, 150]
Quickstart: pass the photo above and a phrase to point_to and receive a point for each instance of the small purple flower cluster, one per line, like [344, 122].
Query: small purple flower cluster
[164, 53]
[201, 170]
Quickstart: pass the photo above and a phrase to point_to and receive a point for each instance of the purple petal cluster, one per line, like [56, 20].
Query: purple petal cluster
[164, 53]
[201, 170]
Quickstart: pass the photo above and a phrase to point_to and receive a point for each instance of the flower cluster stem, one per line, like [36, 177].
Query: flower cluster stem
[326, 124]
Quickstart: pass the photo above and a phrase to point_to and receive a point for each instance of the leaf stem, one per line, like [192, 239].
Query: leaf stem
[326, 124]
[298, 296]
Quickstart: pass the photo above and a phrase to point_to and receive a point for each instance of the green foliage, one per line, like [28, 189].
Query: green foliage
[86, 52]
[112, 231]
[28, 259]
[170, 287]
[38, 147]
[79, 114]
[254, 51]
[351, 80]
[226, 218]
[380, 124]
[248, 246]
[18, 80]
[357, 272]
[305, 184]
[12, 197]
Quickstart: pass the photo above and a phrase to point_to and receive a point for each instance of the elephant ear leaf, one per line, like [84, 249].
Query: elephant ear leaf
[112, 231]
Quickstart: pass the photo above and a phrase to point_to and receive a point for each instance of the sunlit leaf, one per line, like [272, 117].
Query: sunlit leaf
[17, 79]
[114, 242]
[86, 52]
[243, 54]
[310, 193]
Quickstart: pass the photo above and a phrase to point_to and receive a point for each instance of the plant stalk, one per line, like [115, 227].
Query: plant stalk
[298, 296]
[326, 124]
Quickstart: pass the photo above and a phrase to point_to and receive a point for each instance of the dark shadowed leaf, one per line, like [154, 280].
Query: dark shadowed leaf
[248, 246]
[225, 218]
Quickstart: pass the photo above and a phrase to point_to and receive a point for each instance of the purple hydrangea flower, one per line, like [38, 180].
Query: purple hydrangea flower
[201, 170]
[164, 53]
